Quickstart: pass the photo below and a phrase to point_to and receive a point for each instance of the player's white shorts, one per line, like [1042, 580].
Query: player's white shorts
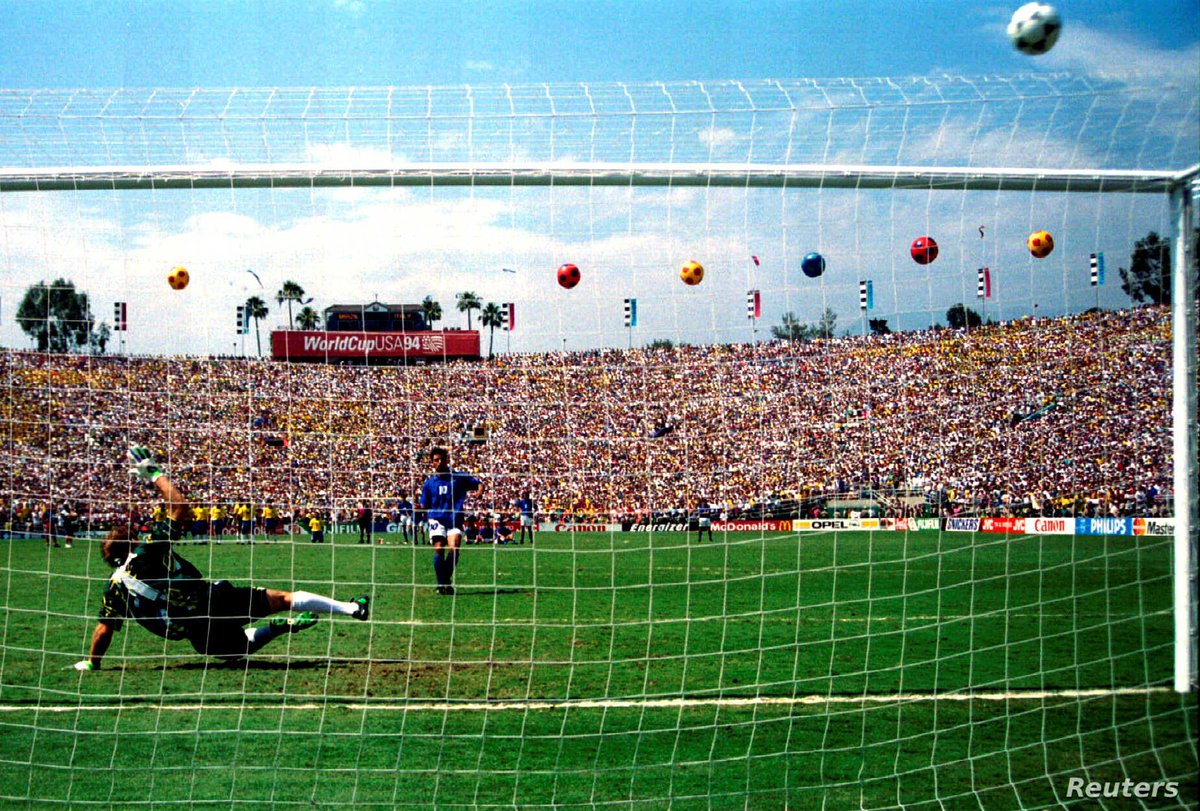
[705, 523]
[439, 530]
[406, 521]
[527, 521]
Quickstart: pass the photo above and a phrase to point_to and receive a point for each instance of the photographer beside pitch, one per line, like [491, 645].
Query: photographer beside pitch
[169, 597]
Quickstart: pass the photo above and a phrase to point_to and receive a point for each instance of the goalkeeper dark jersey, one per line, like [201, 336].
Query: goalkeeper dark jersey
[156, 587]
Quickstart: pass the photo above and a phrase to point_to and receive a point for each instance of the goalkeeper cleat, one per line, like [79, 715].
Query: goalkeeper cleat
[290, 625]
[363, 612]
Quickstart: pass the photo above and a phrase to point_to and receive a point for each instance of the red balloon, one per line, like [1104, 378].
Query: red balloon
[568, 275]
[924, 250]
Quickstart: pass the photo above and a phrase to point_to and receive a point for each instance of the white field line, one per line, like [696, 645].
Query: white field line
[605, 704]
[588, 624]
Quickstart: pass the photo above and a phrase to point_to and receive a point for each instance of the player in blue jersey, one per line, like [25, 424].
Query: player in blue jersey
[169, 597]
[527, 509]
[442, 499]
[404, 515]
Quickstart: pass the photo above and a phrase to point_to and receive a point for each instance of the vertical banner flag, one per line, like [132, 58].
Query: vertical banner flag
[243, 319]
[1097, 269]
[120, 317]
[753, 304]
[866, 295]
[984, 288]
[631, 312]
[508, 316]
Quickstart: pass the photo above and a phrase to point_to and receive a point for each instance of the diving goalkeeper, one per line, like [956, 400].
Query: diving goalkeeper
[169, 597]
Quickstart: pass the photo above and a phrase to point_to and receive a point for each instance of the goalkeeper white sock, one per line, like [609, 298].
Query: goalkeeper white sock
[260, 636]
[257, 637]
[307, 601]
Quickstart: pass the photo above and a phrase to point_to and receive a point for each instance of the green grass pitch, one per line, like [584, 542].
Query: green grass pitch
[865, 670]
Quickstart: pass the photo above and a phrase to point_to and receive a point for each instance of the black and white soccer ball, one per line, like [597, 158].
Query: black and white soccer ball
[1034, 28]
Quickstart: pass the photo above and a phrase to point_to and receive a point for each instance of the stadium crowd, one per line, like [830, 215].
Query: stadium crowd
[1064, 416]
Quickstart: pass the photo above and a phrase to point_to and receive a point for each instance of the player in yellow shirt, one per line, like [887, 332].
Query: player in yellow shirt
[216, 516]
[199, 520]
[269, 521]
[244, 516]
[317, 527]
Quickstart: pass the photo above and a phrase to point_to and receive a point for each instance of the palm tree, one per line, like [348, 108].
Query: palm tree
[468, 302]
[308, 318]
[491, 317]
[256, 308]
[431, 310]
[289, 292]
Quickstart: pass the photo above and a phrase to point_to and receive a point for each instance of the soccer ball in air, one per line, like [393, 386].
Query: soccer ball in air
[1034, 28]
[813, 265]
[568, 276]
[1040, 244]
[924, 250]
[692, 273]
[178, 278]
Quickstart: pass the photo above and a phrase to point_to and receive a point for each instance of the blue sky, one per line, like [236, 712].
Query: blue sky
[365, 42]
[354, 244]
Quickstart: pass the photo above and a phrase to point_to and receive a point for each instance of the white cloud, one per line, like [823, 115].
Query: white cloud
[351, 6]
[717, 137]
[480, 65]
[1099, 53]
[349, 156]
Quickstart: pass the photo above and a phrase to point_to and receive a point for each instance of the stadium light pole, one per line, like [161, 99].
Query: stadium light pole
[1183, 339]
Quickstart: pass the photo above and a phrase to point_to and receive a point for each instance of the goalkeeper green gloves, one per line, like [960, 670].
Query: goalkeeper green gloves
[143, 464]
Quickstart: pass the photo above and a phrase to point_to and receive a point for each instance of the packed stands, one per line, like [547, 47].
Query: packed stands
[1050, 416]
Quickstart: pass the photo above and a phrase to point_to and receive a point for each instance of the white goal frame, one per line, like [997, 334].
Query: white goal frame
[1181, 186]
[717, 175]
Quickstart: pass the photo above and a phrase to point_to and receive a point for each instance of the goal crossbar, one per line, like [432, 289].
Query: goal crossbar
[122, 178]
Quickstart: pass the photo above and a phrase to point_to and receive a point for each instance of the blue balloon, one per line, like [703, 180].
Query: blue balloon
[813, 265]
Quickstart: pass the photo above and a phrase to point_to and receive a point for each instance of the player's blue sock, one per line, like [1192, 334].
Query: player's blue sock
[451, 563]
[439, 566]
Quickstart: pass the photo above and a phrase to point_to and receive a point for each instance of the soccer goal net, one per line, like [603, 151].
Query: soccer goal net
[804, 444]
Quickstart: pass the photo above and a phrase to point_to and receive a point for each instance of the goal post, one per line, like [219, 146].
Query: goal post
[1184, 430]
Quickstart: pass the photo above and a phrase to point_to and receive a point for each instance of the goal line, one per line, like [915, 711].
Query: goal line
[409, 705]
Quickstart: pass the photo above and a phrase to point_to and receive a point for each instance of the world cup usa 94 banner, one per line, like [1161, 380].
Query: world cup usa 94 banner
[303, 345]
